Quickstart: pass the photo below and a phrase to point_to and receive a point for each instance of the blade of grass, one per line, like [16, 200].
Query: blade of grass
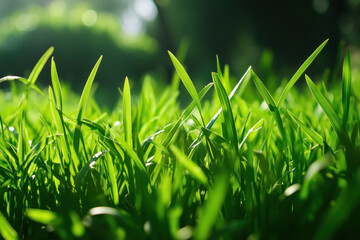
[299, 72]
[6, 230]
[229, 122]
[56, 85]
[82, 104]
[194, 170]
[346, 87]
[39, 66]
[186, 81]
[330, 112]
[270, 102]
[212, 207]
[311, 133]
[127, 112]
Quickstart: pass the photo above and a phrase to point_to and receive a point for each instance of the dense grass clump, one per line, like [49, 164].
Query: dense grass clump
[238, 165]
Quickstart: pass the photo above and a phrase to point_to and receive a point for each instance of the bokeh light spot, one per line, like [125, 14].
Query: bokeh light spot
[146, 9]
[89, 18]
[26, 22]
[321, 6]
[57, 8]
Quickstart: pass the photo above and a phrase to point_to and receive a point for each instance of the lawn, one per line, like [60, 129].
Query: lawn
[240, 161]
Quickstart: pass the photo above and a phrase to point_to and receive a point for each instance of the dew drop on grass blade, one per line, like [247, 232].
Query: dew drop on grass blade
[346, 87]
[82, 104]
[39, 66]
[299, 72]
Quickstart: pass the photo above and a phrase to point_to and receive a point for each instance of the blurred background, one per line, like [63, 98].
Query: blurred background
[275, 37]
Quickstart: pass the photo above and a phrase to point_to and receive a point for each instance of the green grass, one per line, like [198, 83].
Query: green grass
[259, 168]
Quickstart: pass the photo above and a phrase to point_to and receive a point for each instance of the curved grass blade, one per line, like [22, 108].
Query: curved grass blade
[270, 102]
[82, 104]
[229, 123]
[39, 66]
[311, 133]
[299, 72]
[330, 112]
[193, 169]
[254, 128]
[186, 80]
[45, 217]
[88, 165]
[346, 87]
[6, 230]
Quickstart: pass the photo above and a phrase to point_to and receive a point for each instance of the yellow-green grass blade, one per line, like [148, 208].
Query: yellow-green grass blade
[56, 85]
[39, 66]
[181, 53]
[210, 211]
[45, 217]
[311, 133]
[194, 170]
[127, 112]
[270, 102]
[299, 72]
[229, 123]
[330, 112]
[82, 104]
[186, 81]
[6, 230]
[346, 87]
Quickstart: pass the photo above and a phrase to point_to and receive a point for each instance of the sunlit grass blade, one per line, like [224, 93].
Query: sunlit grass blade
[56, 85]
[311, 133]
[270, 102]
[127, 112]
[229, 123]
[298, 73]
[194, 170]
[346, 87]
[45, 217]
[88, 165]
[186, 81]
[82, 104]
[181, 53]
[210, 211]
[6, 230]
[330, 112]
[39, 66]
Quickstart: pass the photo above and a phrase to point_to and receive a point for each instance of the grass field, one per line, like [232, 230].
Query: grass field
[239, 162]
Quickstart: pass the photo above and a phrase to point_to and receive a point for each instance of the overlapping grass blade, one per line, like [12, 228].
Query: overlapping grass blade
[330, 112]
[194, 170]
[311, 133]
[39, 66]
[215, 117]
[229, 123]
[88, 165]
[346, 87]
[254, 128]
[298, 73]
[82, 104]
